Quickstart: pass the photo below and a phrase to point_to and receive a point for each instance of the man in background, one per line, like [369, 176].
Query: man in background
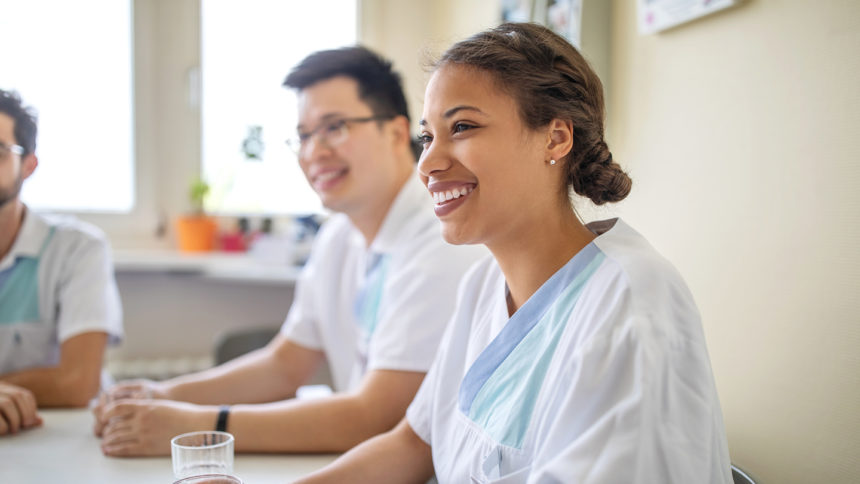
[372, 300]
[59, 305]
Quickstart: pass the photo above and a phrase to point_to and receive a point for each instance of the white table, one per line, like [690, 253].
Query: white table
[65, 450]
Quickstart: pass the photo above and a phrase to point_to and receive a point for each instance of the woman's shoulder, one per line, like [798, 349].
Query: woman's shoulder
[641, 283]
[633, 257]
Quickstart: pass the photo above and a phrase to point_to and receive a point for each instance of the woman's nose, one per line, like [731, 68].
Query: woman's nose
[433, 159]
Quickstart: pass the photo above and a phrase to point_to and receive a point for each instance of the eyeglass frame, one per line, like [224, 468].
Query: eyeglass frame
[300, 143]
[5, 151]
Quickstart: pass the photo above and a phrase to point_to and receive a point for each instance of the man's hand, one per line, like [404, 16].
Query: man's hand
[17, 409]
[145, 427]
[137, 389]
[131, 389]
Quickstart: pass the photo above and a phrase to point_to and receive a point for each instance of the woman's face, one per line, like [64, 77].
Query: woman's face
[487, 172]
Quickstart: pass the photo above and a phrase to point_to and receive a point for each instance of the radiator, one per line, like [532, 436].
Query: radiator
[156, 368]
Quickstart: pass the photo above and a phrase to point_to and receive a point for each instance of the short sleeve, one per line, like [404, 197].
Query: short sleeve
[301, 325]
[87, 295]
[420, 411]
[419, 299]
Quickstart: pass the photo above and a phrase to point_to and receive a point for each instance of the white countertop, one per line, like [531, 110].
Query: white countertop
[231, 266]
[65, 450]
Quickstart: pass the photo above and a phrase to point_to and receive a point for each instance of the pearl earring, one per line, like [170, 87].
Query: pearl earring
[551, 162]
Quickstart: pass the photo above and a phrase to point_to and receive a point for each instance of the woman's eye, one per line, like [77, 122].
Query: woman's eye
[460, 127]
[423, 139]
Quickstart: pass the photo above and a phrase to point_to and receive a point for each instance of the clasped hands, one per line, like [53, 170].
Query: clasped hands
[134, 419]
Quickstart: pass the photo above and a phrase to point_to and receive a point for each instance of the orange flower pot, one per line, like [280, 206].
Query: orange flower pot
[196, 233]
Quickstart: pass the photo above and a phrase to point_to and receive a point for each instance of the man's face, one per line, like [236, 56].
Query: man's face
[352, 176]
[13, 170]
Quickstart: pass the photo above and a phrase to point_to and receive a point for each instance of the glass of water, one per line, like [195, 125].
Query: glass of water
[210, 479]
[199, 453]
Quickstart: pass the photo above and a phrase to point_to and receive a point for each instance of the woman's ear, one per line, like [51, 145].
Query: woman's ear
[559, 139]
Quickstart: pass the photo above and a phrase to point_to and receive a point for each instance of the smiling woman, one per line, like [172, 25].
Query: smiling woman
[576, 353]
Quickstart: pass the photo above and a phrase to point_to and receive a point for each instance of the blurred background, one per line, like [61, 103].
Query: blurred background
[739, 129]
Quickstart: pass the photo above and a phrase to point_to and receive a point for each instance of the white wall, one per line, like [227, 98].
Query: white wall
[740, 131]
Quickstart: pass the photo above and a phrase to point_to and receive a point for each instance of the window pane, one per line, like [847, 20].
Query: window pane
[71, 61]
[247, 49]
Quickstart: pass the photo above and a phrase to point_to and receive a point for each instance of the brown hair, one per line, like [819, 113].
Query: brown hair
[550, 79]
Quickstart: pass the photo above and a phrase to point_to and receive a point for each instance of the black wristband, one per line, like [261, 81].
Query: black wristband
[223, 413]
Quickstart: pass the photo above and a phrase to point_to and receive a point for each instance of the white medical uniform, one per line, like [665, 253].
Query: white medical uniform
[56, 282]
[383, 306]
[602, 376]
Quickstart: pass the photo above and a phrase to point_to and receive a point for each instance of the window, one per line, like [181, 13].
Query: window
[71, 61]
[247, 49]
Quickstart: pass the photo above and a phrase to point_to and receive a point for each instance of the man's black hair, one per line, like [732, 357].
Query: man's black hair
[24, 117]
[378, 85]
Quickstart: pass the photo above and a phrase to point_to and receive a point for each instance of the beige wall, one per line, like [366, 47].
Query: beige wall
[411, 32]
[741, 133]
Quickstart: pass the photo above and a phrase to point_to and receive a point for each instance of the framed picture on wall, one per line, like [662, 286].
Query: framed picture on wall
[563, 16]
[657, 15]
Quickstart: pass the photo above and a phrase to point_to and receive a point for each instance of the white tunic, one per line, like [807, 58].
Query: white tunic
[61, 272]
[602, 376]
[382, 307]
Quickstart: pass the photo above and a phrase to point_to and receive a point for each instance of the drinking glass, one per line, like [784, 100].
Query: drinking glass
[210, 479]
[203, 452]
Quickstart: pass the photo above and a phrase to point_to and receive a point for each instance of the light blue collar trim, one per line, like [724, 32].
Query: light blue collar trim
[520, 324]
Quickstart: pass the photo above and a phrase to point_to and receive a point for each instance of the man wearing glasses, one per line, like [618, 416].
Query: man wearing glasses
[373, 299]
[59, 303]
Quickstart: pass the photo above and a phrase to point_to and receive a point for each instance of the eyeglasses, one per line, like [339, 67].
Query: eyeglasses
[6, 151]
[331, 133]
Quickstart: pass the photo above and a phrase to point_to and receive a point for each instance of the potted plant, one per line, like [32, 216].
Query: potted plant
[196, 231]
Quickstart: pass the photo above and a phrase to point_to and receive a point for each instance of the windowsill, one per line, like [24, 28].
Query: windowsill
[226, 266]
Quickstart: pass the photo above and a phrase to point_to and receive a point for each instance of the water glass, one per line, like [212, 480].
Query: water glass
[210, 479]
[203, 452]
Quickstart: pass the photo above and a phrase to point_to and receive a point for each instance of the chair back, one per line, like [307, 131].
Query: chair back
[238, 343]
[740, 476]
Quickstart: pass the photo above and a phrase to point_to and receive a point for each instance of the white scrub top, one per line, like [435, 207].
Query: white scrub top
[602, 376]
[382, 307]
[56, 282]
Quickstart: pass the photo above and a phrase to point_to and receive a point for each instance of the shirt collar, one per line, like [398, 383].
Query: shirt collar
[30, 238]
[401, 223]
